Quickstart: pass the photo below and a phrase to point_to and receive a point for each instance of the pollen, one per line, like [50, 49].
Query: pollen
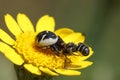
[25, 46]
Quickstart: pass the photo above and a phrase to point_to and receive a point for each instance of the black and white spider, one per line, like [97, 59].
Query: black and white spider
[47, 39]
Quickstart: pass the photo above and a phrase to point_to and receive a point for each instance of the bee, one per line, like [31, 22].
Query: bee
[71, 47]
[47, 39]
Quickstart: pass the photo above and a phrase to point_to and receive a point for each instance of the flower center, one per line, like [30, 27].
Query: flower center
[25, 46]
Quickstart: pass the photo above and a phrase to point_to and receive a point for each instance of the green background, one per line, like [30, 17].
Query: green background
[99, 20]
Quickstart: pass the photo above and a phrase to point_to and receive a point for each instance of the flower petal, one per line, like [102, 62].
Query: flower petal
[67, 72]
[80, 58]
[24, 23]
[48, 71]
[45, 23]
[74, 37]
[32, 69]
[64, 32]
[80, 65]
[12, 25]
[6, 38]
[11, 54]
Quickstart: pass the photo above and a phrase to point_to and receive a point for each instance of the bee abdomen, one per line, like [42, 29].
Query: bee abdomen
[83, 49]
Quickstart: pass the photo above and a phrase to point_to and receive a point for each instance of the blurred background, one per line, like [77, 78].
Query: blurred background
[99, 20]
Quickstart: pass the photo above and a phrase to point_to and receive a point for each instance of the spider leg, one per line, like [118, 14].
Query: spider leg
[55, 49]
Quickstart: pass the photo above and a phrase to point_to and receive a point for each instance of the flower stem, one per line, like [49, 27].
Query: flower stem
[23, 74]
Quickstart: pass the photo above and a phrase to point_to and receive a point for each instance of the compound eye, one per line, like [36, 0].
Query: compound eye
[46, 38]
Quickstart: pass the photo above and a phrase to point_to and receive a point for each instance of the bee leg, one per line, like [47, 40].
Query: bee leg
[67, 60]
[55, 49]
[70, 48]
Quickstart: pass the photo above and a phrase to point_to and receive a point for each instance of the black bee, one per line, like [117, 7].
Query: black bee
[71, 47]
[48, 39]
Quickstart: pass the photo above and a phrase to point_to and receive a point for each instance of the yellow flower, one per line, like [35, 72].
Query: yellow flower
[23, 51]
